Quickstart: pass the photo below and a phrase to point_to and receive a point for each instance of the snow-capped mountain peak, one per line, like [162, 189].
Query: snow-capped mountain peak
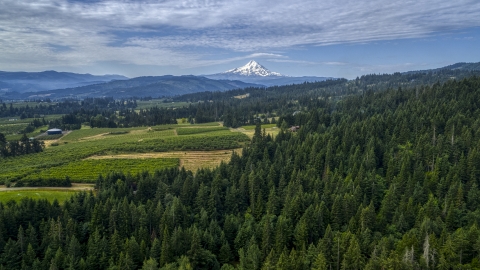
[252, 69]
[255, 73]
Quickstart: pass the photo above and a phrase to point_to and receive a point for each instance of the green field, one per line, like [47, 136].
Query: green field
[252, 127]
[198, 130]
[67, 157]
[207, 124]
[50, 195]
[36, 132]
[85, 134]
[89, 170]
[7, 120]
[12, 129]
[160, 104]
[49, 137]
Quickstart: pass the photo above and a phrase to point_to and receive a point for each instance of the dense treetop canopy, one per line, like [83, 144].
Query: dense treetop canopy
[382, 178]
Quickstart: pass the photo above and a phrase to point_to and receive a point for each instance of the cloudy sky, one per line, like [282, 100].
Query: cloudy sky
[338, 38]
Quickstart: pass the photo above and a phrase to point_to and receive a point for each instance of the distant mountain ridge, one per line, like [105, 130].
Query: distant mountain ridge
[254, 72]
[154, 86]
[48, 80]
[462, 66]
[25, 85]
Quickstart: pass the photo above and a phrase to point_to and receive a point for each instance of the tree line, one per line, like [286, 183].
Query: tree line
[63, 107]
[22, 147]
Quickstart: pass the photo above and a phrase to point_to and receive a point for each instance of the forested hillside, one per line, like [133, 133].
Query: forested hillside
[378, 180]
[210, 106]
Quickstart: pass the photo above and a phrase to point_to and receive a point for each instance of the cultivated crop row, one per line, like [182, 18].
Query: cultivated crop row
[89, 170]
[190, 131]
[136, 141]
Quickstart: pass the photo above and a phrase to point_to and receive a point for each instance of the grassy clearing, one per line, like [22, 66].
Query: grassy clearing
[50, 195]
[250, 130]
[242, 96]
[85, 134]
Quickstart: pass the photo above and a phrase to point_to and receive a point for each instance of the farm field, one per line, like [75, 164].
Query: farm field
[12, 129]
[50, 195]
[250, 130]
[11, 126]
[198, 130]
[146, 104]
[38, 131]
[68, 155]
[10, 120]
[191, 160]
[88, 170]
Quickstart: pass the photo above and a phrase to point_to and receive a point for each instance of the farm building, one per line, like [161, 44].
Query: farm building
[294, 128]
[54, 131]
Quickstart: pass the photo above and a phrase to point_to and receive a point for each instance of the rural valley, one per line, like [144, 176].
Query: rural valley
[239, 135]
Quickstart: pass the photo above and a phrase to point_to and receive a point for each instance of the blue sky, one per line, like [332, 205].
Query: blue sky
[335, 38]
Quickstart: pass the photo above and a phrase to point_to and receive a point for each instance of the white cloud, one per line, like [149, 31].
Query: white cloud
[173, 32]
[334, 63]
[292, 61]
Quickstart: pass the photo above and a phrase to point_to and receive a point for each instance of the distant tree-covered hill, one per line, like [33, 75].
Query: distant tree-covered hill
[40, 81]
[155, 86]
[23, 87]
[456, 66]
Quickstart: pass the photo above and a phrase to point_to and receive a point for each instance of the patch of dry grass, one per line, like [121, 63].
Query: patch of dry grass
[273, 131]
[242, 96]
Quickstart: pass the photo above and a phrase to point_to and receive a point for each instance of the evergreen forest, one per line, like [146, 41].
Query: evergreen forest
[380, 177]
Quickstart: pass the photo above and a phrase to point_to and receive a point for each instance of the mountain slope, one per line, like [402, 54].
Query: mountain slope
[48, 80]
[252, 69]
[154, 86]
[254, 72]
[462, 66]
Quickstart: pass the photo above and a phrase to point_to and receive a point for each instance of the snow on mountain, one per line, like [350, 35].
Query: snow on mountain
[252, 68]
[253, 72]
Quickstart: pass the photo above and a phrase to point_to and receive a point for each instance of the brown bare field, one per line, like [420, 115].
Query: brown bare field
[242, 96]
[48, 143]
[191, 160]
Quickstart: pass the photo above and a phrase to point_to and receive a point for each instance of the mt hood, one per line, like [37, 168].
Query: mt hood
[254, 72]
[252, 69]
